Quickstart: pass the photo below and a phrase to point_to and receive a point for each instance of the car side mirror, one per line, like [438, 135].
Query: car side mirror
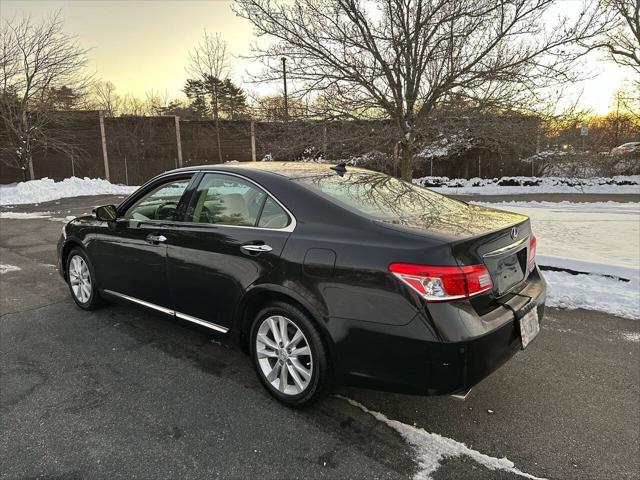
[106, 213]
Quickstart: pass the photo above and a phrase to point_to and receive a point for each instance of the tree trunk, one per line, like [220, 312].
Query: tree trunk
[406, 162]
[407, 144]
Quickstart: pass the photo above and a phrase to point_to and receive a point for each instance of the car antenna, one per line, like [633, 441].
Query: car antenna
[340, 168]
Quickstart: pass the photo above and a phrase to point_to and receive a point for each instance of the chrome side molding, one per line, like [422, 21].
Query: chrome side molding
[140, 302]
[173, 313]
[204, 323]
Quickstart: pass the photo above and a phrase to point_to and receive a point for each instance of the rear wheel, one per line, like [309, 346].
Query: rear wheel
[288, 355]
[81, 279]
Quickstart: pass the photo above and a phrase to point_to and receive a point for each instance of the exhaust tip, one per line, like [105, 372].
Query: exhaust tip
[461, 396]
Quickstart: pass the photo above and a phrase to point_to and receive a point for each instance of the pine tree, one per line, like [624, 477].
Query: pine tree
[213, 97]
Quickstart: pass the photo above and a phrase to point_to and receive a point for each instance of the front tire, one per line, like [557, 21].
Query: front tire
[81, 280]
[288, 355]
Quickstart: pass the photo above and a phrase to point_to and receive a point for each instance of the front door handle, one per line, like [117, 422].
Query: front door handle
[155, 239]
[256, 248]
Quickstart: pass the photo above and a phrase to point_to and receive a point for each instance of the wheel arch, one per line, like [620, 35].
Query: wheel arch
[256, 298]
[64, 254]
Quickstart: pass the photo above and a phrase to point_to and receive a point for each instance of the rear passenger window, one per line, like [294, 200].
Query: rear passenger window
[273, 215]
[226, 200]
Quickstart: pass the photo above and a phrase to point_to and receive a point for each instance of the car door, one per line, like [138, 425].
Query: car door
[234, 233]
[130, 254]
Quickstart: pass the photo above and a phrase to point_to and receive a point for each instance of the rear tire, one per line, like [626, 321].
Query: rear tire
[288, 355]
[81, 279]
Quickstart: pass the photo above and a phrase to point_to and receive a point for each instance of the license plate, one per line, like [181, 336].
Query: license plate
[529, 327]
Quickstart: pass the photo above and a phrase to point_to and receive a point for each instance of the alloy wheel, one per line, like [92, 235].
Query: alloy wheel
[284, 355]
[80, 279]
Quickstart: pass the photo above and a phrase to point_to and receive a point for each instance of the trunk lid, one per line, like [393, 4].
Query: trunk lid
[479, 235]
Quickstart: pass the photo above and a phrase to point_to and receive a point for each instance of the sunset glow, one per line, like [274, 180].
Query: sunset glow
[142, 46]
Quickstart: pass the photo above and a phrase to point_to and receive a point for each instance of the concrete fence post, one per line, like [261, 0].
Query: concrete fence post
[324, 140]
[178, 141]
[105, 156]
[253, 141]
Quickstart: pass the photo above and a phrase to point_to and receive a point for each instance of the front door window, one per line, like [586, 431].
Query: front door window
[160, 203]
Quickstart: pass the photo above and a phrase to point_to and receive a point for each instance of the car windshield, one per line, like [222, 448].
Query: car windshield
[380, 196]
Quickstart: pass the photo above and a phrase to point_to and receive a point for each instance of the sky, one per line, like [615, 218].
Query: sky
[144, 45]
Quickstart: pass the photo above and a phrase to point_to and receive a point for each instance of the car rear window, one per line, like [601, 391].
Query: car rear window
[378, 195]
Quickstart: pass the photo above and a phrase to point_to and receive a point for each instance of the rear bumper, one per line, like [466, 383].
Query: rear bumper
[409, 359]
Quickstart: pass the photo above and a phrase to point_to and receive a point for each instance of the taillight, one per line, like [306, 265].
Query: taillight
[532, 252]
[441, 284]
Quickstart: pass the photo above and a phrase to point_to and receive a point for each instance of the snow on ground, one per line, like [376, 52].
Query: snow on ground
[599, 237]
[25, 216]
[432, 448]
[35, 215]
[595, 238]
[593, 292]
[520, 185]
[8, 268]
[631, 336]
[45, 190]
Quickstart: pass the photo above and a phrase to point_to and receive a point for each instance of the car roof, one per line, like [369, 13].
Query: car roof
[285, 169]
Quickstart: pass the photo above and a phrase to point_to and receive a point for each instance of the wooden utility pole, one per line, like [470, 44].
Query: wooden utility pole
[178, 141]
[253, 141]
[286, 100]
[105, 156]
[214, 98]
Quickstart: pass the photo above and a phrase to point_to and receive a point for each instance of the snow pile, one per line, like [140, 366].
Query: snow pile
[45, 190]
[594, 292]
[432, 448]
[519, 185]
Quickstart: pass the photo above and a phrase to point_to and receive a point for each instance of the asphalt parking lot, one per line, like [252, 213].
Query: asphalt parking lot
[123, 393]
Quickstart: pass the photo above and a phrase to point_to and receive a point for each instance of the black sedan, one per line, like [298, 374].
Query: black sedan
[322, 273]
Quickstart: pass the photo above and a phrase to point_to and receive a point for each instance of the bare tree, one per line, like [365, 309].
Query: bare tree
[400, 59]
[208, 62]
[38, 61]
[623, 45]
[105, 98]
[623, 41]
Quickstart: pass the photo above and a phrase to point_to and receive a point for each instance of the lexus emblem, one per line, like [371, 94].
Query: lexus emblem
[514, 233]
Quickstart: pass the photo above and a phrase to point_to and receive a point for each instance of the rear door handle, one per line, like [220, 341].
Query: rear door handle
[155, 239]
[256, 248]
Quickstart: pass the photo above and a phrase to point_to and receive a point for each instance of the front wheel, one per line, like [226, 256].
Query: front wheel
[81, 279]
[288, 355]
